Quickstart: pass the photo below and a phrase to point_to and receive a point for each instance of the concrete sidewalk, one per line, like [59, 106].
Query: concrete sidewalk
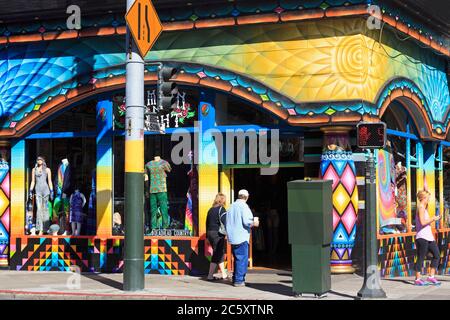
[261, 285]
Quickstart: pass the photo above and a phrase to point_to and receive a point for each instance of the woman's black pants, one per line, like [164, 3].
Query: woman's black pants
[423, 247]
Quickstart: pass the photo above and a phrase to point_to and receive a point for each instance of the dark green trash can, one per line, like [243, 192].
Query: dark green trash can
[310, 233]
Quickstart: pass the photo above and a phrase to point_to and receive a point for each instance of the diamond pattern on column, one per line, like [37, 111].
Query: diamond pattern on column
[348, 179]
[341, 199]
[335, 219]
[4, 202]
[348, 219]
[331, 174]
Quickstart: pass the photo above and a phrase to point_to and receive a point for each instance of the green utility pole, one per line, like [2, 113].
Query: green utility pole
[133, 274]
[371, 287]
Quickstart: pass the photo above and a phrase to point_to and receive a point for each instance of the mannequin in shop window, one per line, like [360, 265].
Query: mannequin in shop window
[63, 186]
[41, 184]
[400, 195]
[77, 202]
[157, 172]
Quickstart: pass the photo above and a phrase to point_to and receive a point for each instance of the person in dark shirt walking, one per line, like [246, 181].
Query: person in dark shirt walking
[215, 232]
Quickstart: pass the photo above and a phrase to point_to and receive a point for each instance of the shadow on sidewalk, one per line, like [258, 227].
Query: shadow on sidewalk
[106, 281]
[272, 288]
[343, 295]
[399, 280]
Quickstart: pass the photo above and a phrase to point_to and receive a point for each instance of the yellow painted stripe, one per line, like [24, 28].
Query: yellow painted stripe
[134, 156]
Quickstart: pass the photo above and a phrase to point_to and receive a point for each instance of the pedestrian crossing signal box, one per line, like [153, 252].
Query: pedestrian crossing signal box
[371, 135]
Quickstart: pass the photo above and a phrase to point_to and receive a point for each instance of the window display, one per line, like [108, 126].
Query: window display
[41, 185]
[157, 170]
[77, 202]
[49, 197]
[63, 183]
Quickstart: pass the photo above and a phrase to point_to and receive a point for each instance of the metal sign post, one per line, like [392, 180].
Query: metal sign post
[143, 28]
[371, 136]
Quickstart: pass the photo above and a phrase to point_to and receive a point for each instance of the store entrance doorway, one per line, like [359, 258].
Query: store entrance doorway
[268, 201]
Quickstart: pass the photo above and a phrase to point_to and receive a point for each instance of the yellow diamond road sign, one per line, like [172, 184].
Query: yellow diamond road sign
[144, 24]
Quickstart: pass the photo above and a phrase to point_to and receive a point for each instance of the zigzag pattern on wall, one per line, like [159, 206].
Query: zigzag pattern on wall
[90, 254]
[396, 256]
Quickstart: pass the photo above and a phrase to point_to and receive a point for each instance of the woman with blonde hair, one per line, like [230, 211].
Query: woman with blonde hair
[215, 232]
[425, 241]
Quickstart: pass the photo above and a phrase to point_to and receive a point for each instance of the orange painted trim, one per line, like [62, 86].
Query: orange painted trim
[75, 92]
[247, 95]
[425, 40]
[51, 103]
[347, 11]
[290, 16]
[7, 132]
[345, 117]
[33, 115]
[60, 35]
[121, 30]
[25, 38]
[176, 26]
[3, 40]
[306, 120]
[272, 107]
[188, 78]
[150, 77]
[402, 27]
[109, 82]
[214, 23]
[259, 18]
[92, 32]
[217, 84]
[393, 236]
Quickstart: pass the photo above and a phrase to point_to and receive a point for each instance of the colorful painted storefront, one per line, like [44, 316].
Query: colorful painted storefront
[312, 69]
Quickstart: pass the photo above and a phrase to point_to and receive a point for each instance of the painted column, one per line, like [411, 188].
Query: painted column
[4, 203]
[207, 159]
[104, 172]
[337, 165]
[429, 176]
[225, 184]
[441, 185]
[18, 192]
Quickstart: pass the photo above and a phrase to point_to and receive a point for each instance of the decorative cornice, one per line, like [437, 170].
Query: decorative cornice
[112, 25]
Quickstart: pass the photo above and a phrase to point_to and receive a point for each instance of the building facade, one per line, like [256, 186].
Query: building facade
[311, 69]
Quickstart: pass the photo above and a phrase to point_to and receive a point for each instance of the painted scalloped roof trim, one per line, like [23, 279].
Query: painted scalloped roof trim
[221, 16]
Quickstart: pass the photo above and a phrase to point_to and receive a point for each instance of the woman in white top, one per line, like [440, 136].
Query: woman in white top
[425, 241]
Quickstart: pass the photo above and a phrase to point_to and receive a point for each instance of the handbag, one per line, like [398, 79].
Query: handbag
[222, 229]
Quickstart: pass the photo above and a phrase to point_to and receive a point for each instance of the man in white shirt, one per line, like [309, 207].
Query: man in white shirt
[239, 222]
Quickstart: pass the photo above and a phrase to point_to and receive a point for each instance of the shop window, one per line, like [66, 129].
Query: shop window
[167, 211]
[166, 194]
[71, 163]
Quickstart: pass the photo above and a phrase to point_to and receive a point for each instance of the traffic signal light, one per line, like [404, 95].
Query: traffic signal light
[167, 90]
[371, 135]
